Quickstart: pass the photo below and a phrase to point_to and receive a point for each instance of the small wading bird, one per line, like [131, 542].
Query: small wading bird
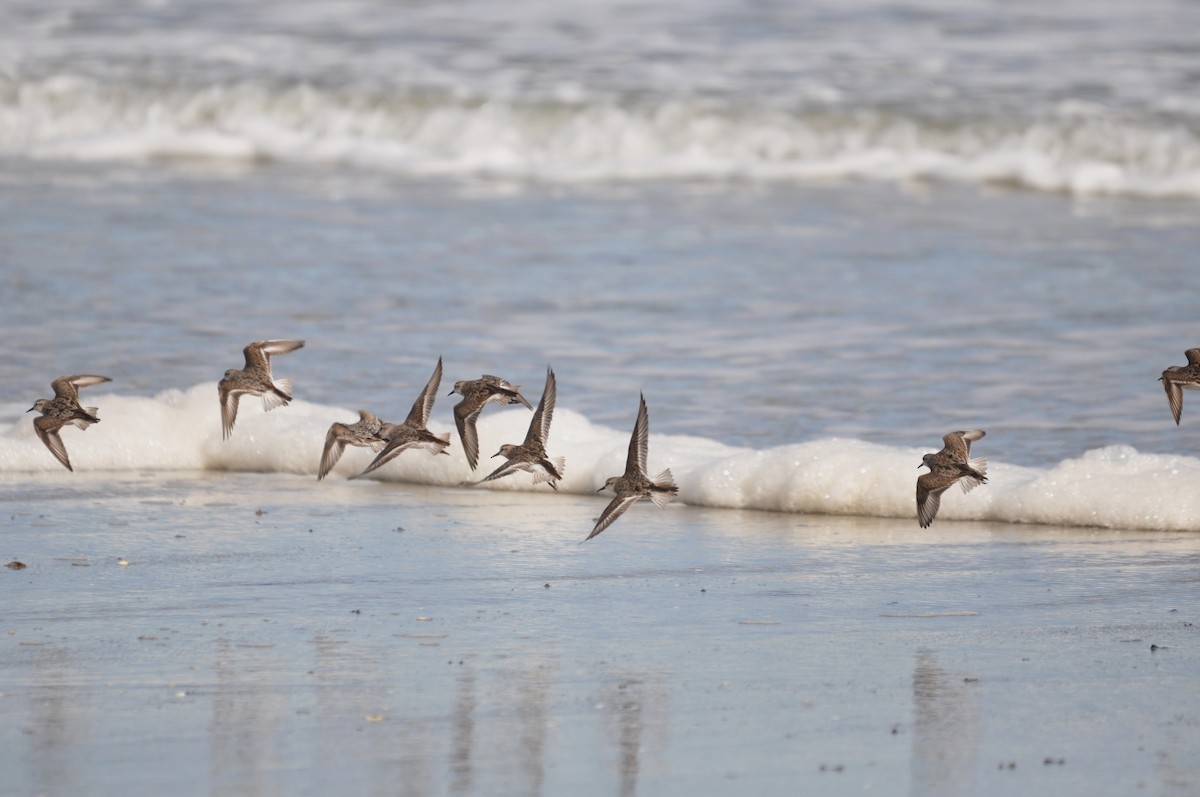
[64, 410]
[950, 465]
[255, 380]
[531, 455]
[399, 437]
[477, 394]
[364, 433]
[1178, 378]
[635, 485]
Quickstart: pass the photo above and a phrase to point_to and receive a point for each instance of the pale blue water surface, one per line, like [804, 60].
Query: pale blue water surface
[816, 238]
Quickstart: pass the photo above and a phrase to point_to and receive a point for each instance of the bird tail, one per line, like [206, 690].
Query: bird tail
[90, 416]
[559, 464]
[663, 488]
[436, 443]
[517, 398]
[970, 481]
[278, 396]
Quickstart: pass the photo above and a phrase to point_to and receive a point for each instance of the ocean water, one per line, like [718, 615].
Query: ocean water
[1087, 98]
[815, 236]
[799, 347]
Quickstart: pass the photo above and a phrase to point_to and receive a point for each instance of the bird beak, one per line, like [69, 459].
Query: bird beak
[602, 489]
[493, 456]
[31, 409]
[451, 393]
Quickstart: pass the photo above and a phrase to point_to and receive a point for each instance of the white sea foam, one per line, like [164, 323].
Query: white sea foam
[1115, 486]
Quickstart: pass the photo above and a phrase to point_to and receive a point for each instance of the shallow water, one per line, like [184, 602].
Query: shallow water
[260, 640]
[765, 318]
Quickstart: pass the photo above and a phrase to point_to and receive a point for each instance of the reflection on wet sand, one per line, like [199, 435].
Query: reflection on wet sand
[53, 725]
[531, 705]
[499, 727]
[637, 706]
[462, 733]
[244, 720]
[946, 721]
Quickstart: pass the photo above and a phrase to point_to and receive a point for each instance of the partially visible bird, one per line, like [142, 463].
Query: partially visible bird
[635, 485]
[64, 410]
[949, 466]
[364, 433]
[477, 394]
[256, 380]
[1178, 378]
[531, 455]
[399, 437]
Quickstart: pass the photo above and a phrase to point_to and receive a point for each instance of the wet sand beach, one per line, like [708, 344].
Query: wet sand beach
[264, 638]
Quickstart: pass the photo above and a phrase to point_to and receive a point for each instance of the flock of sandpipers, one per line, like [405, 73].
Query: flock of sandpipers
[952, 465]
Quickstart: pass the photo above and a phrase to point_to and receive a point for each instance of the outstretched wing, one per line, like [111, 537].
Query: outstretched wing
[635, 463]
[929, 498]
[465, 413]
[335, 444]
[397, 446]
[1174, 396]
[958, 444]
[614, 510]
[259, 353]
[47, 430]
[500, 472]
[229, 408]
[539, 426]
[68, 386]
[419, 414]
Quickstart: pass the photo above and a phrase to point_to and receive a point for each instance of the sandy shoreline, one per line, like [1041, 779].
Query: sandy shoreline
[383, 638]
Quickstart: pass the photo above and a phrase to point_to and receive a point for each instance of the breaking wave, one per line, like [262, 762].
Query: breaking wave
[1077, 149]
[1115, 486]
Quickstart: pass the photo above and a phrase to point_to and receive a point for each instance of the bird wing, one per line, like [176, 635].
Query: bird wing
[47, 430]
[419, 414]
[465, 413]
[1174, 395]
[370, 424]
[614, 510]
[335, 444]
[229, 408]
[68, 386]
[500, 472]
[929, 498]
[539, 426]
[635, 463]
[958, 444]
[395, 447]
[259, 353]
